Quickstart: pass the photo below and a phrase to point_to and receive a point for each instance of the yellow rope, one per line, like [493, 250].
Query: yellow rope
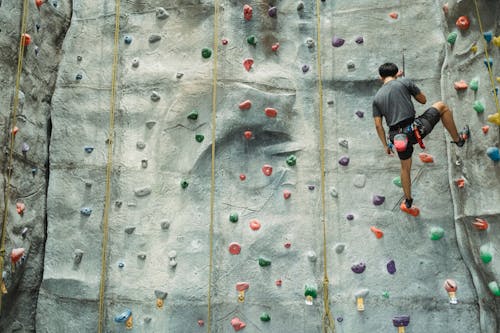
[485, 45]
[328, 323]
[212, 175]
[109, 168]
[12, 139]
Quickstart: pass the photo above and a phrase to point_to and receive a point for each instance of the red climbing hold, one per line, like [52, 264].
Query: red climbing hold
[201, 322]
[237, 324]
[248, 63]
[254, 224]
[271, 112]
[394, 15]
[20, 208]
[245, 105]
[16, 254]
[267, 170]
[26, 39]
[242, 176]
[460, 182]
[275, 47]
[247, 12]
[460, 85]
[241, 286]
[480, 224]
[248, 135]
[224, 41]
[463, 23]
[288, 245]
[15, 130]
[234, 248]
[279, 282]
[378, 233]
[485, 129]
[287, 194]
[38, 3]
[426, 158]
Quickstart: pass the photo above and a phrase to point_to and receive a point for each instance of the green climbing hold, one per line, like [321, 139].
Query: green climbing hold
[233, 217]
[291, 160]
[495, 289]
[265, 316]
[193, 115]
[252, 40]
[397, 181]
[485, 253]
[436, 233]
[184, 184]
[385, 294]
[310, 291]
[199, 137]
[263, 262]
[452, 38]
[478, 107]
[206, 52]
[474, 84]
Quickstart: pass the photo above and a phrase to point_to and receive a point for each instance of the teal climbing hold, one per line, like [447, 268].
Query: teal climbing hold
[291, 160]
[385, 294]
[436, 233]
[206, 52]
[193, 115]
[488, 62]
[199, 137]
[493, 153]
[263, 262]
[310, 291]
[474, 84]
[485, 253]
[184, 184]
[452, 38]
[265, 316]
[397, 181]
[494, 288]
[252, 40]
[233, 217]
[478, 107]
[488, 36]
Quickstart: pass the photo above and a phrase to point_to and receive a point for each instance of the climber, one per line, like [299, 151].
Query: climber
[393, 102]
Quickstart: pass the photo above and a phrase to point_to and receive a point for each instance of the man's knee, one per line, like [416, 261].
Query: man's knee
[441, 107]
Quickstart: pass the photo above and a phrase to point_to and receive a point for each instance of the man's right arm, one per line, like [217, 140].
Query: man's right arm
[381, 133]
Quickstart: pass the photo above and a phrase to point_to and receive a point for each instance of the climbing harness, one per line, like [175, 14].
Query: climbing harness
[212, 173]
[109, 169]
[328, 325]
[9, 170]
[488, 64]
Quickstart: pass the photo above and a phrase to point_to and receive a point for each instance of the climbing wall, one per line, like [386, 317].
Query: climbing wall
[217, 169]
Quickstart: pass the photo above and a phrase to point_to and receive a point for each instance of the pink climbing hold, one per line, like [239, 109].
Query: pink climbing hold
[271, 112]
[237, 324]
[241, 286]
[254, 224]
[275, 47]
[426, 158]
[247, 12]
[287, 194]
[201, 322]
[242, 176]
[287, 245]
[234, 248]
[248, 135]
[279, 283]
[20, 208]
[245, 105]
[267, 170]
[248, 63]
[394, 15]
[224, 41]
[460, 85]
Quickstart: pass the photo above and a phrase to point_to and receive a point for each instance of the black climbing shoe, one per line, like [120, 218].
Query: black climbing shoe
[408, 203]
[463, 136]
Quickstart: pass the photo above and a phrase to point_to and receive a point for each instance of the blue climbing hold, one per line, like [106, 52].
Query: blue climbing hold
[89, 149]
[490, 61]
[79, 77]
[488, 36]
[127, 40]
[122, 317]
[86, 211]
[493, 153]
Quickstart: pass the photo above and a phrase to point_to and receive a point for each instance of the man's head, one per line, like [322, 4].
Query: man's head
[388, 69]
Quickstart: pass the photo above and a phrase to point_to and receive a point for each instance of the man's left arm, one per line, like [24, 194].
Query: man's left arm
[381, 134]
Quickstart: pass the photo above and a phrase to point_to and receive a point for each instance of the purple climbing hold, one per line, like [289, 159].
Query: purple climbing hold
[337, 41]
[340, 319]
[378, 199]
[305, 68]
[311, 187]
[391, 267]
[272, 12]
[344, 160]
[360, 40]
[358, 268]
[349, 217]
[360, 114]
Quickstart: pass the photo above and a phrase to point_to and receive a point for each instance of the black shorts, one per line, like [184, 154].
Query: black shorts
[425, 123]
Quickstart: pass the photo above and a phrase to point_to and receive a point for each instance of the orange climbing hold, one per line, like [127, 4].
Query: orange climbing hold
[20, 208]
[460, 85]
[248, 135]
[480, 224]
[254, 224]
[245, 105]
[426, 158]
[485, 129]
[460, 182]
[247, 12]
[129, 323]
[38, 3]
[26, 39]
[413, 211]
[271, 112]
[248, 63]
[463, 23]
[394, 15]
[378, 233]
[16, 255]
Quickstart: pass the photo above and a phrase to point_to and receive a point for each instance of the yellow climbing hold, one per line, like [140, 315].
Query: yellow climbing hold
[494, 118]
[473, 48]
[3, 288]
[129, 323]
[498, 79]
[496, 41]
[159, 303]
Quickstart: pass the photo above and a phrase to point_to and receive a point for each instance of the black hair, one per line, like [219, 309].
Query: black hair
[388, 69]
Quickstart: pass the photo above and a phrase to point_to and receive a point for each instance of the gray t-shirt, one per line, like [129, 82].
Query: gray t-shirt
[393, 101]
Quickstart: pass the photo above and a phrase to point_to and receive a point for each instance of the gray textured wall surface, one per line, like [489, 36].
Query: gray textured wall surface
[67, 98]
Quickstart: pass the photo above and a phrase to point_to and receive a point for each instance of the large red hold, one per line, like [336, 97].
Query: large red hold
[463, 23]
